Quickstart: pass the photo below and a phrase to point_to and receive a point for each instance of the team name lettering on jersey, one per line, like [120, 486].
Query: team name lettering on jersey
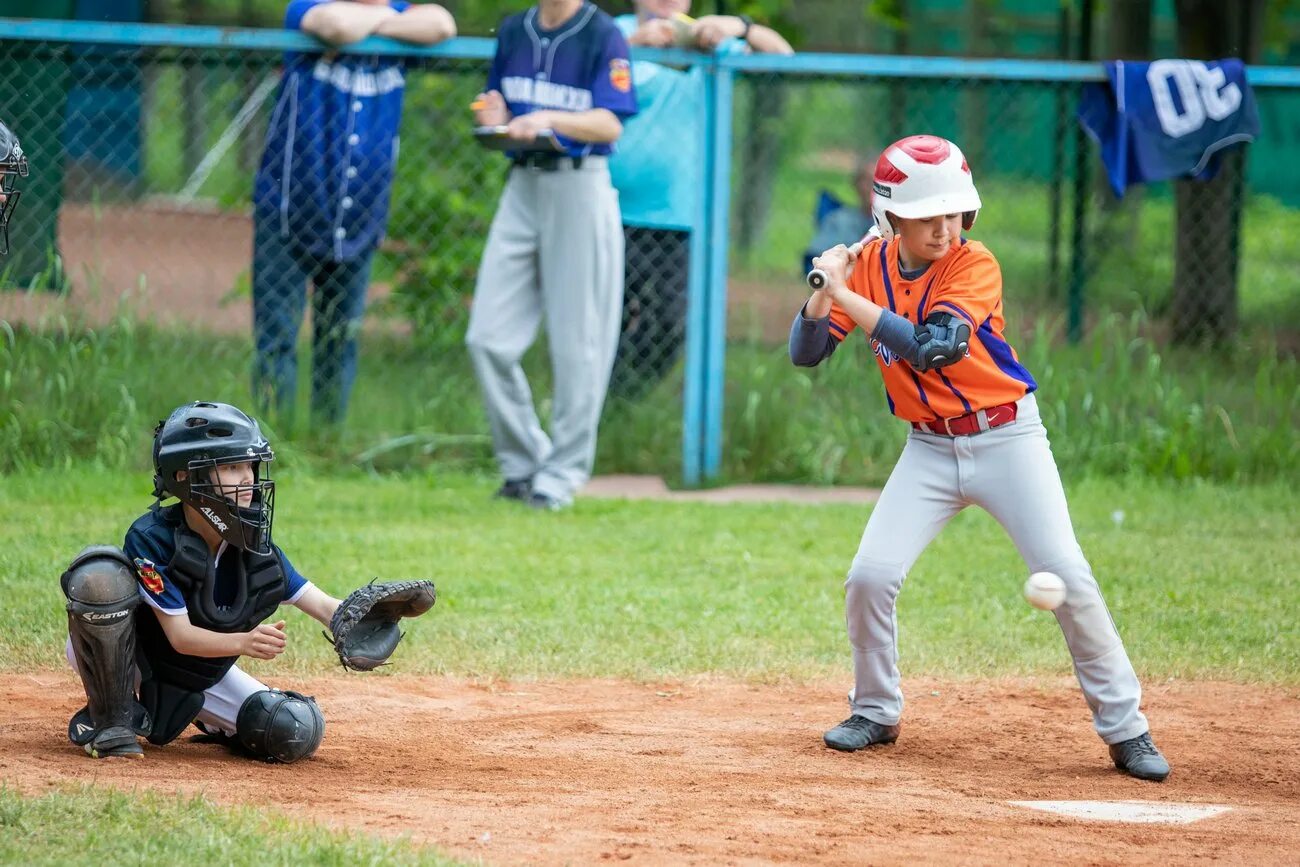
[358, 82]
[545, 94]
[886, 357]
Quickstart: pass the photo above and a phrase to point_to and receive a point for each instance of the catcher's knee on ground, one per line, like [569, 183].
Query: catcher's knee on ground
[100, 586]
[279, 726]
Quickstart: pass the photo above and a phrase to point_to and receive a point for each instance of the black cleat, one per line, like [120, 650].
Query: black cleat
[1138, 757]
[515, 489]
[858, 732]
[114, 742]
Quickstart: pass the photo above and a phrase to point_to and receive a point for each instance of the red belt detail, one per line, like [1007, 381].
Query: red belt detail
[970, 423]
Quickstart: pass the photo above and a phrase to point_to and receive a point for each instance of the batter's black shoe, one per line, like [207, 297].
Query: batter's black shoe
[1138, 757]
[515, 489]
[858, 732]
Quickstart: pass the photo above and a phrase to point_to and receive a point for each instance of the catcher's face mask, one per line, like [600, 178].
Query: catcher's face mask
[235, 500]
[13, 166]
[212, 457]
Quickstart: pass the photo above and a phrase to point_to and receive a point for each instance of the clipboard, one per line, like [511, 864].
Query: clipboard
[495, 138]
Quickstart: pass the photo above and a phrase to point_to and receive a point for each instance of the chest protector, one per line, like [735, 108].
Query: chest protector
[173, 682]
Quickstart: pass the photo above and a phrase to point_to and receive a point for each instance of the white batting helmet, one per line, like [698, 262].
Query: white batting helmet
[922, 176]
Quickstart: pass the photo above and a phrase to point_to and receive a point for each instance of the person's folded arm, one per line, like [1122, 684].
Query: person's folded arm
[425, 24]
[342, 22]
[596, 125]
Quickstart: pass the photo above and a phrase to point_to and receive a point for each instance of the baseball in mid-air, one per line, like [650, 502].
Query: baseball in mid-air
[1045, 590]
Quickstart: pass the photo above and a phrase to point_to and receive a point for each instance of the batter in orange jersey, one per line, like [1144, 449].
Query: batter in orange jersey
[965, 283]
[930, 302]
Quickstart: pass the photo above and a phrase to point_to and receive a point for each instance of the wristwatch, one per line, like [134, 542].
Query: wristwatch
[748, 22]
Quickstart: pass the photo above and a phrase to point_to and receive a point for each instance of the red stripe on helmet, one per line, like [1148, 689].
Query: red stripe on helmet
[928, 149]
[887, 172]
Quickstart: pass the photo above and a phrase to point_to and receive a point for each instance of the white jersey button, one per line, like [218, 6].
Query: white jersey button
[356, 106]
[353, 139]
[340, 233]
[347, 202]
[351, 172]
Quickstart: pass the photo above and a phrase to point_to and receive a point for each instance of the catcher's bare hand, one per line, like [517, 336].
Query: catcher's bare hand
[265, 641]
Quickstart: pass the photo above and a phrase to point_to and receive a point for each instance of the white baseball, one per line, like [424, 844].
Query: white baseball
[1045, 590]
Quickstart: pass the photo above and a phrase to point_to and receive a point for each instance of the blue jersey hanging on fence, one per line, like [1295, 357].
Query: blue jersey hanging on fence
[1168, 118]
[580, 65]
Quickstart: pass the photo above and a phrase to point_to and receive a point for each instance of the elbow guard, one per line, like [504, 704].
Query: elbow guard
[941, 340]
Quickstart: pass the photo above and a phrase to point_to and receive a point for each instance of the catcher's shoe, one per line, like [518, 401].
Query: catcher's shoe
[1138, 757]
[514, 489]
[858, 732]
[117, 742]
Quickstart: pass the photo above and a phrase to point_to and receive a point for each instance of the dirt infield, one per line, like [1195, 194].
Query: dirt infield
[711, 771]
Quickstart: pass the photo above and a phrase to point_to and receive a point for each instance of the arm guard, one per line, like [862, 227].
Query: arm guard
[942, 339]
[939, 341]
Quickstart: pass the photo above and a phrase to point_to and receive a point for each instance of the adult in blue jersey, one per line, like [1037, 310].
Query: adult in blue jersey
[554, 252]
[320, 203]
[657, 174]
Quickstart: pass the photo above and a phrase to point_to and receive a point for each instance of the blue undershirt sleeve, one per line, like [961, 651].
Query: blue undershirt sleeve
[898, 335]
[810, 340]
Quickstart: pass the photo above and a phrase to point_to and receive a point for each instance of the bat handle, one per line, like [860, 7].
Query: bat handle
[817, 279]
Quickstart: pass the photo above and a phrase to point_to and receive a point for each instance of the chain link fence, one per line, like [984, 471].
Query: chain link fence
[145, 203]
[142, 210]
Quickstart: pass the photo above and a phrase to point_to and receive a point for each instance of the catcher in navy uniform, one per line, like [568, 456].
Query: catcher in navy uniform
[210, 579]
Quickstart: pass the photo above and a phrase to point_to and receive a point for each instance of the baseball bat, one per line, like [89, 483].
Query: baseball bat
[817, 278]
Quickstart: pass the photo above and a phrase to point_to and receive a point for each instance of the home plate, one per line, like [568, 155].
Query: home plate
[1144, 812]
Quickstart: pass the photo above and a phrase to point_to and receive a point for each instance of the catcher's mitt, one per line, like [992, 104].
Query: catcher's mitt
[365, 624]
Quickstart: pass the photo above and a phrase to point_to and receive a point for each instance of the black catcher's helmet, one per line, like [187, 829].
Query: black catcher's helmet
[200, 436]
[13, 165]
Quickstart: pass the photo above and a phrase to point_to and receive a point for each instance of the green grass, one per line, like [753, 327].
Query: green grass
[109, 827]
[1201, 579]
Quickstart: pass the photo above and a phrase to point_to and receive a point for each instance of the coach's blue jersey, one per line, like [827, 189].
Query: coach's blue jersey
[580, 65]
[1168, 118]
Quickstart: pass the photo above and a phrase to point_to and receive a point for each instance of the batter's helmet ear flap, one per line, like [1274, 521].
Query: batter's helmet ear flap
[968, 219]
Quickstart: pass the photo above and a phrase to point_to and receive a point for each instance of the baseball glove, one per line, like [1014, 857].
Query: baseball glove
[365, 624]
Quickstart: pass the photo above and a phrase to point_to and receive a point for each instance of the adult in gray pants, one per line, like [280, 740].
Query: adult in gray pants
[554, 252]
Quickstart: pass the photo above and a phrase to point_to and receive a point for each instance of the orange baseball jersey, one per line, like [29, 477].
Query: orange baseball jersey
[968, 283]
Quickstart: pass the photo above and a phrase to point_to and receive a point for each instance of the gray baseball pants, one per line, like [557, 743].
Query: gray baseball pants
[1009, 472]
[555, 254]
